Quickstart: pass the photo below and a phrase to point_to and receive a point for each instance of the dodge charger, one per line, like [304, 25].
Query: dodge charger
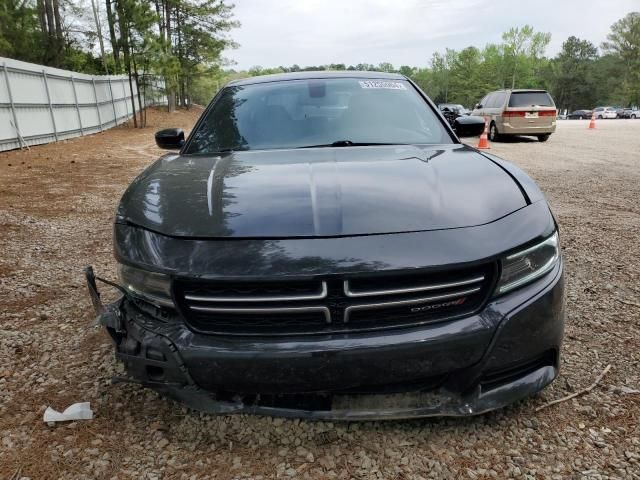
[323, 245]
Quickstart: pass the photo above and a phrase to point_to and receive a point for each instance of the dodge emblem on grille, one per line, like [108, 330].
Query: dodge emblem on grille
[435, 306]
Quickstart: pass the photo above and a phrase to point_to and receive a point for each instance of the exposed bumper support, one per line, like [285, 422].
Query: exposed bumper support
[382, 407]
[109, 315]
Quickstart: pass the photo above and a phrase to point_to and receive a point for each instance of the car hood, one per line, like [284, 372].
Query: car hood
[320, 192]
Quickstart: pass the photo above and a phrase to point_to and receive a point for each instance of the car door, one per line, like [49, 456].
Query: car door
[496, 105]
[479, 109]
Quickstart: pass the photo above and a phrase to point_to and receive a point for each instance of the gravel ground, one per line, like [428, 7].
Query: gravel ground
[56, 208]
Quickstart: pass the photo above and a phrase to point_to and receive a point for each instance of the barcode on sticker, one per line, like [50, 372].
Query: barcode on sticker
[382, 84]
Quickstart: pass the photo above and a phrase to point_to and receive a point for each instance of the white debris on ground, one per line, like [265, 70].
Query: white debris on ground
[76, 411]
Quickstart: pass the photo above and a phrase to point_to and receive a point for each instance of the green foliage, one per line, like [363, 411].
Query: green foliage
[623, 43]
[464, 78]
[572, 74]
[258, 70]
[19, 35]
[577, 77]
[523, 54]
[184, 40]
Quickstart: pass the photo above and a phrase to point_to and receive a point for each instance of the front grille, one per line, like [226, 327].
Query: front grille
[333, 304]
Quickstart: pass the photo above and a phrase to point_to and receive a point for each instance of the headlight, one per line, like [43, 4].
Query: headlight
[527, 265]
[153, 287]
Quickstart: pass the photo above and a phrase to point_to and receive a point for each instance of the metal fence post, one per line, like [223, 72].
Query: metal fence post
[95, 95]
[13, 109]
[113, 104]
[75, 97]
[53, 117]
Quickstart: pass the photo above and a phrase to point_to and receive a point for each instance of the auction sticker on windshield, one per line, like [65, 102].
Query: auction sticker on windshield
[382, 84]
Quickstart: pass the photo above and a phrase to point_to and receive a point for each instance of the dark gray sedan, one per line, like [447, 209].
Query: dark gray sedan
[580, 115]
[323, 245]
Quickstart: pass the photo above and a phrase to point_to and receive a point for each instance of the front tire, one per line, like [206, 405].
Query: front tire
[493, 132]
[544, 138]
[633, 117]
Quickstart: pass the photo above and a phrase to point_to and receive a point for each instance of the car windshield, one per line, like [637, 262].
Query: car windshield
[325, 112]
[528, 99]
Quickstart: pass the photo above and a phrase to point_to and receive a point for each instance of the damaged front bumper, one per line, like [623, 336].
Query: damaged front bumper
[518, 337]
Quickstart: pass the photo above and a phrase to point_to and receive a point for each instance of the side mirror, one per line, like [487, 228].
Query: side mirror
[468, 126]
[478, 105]
[170, 138]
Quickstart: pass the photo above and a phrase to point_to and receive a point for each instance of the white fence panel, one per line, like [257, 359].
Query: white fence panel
[42, 104]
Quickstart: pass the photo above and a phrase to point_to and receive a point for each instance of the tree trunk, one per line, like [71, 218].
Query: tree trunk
[160, 15]
[112, 36]
[144, 93]
[43, 28]
[96, 17]
[51, 40]
[167, 22]
[58, 19]
[124, 38]
[59, 43]
[140, 107]
[169, 82]
[133, 98]
[180, 58]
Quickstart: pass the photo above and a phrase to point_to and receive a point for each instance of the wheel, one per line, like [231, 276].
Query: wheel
[493, 132]
[633, 116]
[582, 118]
[600, 117]
[544, 138]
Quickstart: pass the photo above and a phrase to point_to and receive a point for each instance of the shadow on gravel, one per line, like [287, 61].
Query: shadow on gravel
[515, 139]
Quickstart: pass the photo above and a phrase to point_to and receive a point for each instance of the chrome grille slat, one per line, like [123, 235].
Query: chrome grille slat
[265, 310]
[400, 291]
[413, 301]
[274, 298]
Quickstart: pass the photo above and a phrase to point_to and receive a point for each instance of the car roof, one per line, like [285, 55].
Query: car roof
[321, 74]
[519, 90]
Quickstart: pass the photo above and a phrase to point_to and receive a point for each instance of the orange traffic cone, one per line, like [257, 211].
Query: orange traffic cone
[483, 143]
[592, 123]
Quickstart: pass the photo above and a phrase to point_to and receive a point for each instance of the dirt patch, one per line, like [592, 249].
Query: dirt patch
[56, 208]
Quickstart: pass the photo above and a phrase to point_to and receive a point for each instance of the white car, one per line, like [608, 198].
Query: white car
[605, 112]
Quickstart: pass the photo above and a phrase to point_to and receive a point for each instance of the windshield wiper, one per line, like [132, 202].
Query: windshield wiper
[348, 143]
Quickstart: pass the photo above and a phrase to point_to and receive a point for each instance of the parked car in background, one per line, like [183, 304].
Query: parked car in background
[632, 112]
[605, 112]
[358, 263]
[454, 107]
[451, 111]
[580, 115]
[518, 112]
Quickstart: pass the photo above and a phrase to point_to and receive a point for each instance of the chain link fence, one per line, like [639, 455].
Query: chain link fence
[41, 104]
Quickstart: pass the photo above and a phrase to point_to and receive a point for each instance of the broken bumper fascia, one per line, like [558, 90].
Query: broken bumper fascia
[143, 341]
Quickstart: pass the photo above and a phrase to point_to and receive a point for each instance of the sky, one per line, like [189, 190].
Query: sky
[403, 32]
